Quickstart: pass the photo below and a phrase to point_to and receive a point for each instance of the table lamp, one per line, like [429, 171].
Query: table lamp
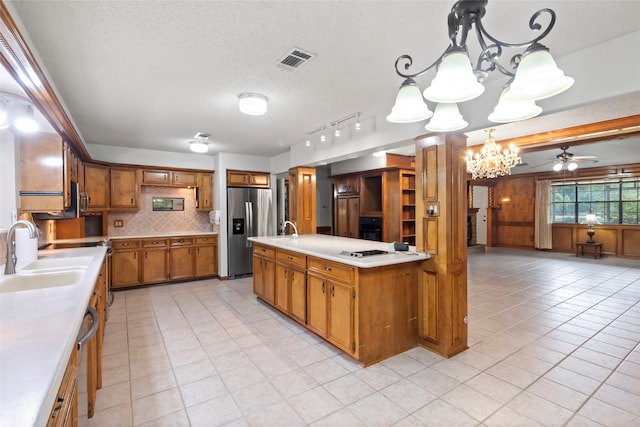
[590, 220]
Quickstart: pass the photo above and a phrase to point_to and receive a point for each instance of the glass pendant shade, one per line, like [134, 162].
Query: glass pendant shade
[447, 118]
[557, 167]
[252, 104]
[26, 122]
[512, 111]
[410, 106]
[454, 81]
[199, 147]
[572, 166]
[538, 77]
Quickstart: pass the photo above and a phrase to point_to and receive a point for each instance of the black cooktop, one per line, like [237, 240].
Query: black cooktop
[368, 253]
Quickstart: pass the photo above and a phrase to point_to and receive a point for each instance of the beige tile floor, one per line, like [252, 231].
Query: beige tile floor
[553, 340]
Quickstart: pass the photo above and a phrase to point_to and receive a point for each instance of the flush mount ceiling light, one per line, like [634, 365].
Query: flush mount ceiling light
[491, 162]
[252, 104]
[17, 111]
[199, 146]
[532, 74]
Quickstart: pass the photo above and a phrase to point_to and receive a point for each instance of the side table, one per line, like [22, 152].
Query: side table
[596, 248]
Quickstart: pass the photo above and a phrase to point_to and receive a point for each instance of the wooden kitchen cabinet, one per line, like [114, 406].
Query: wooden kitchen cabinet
[264, 272]
[302, 199]
[181, 261]
[347, 184]
[371, 194]
[65, 408]
[97, 186]
[154, 256]
[317, 304]
[125, 263]
[184, 179]
[124, 189]
[204, 192]
[206, 257]
[43, 176]
[290, 284]
[348, 216]
[248, 179]
[156, 177]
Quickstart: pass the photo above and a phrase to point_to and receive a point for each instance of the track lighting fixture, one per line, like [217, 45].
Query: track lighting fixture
[532, 75]
[336, 128]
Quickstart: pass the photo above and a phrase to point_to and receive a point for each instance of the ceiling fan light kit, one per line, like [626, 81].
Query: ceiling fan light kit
[532, 75]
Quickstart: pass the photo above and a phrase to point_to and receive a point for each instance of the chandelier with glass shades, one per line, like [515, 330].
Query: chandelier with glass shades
[532, 74]
[490, 162]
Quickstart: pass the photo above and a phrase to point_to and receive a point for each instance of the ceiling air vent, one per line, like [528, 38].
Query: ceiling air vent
[201, 135]
[295, 58]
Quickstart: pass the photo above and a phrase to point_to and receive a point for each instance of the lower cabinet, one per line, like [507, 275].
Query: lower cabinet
[65, 407]
[369, 313]
[158, 260]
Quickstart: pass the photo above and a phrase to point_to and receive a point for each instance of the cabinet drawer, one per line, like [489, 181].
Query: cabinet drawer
[291, 258]
[182, 241]
[208, 240]
[125, 244]
[264, 251]
[332, 270]
[154, 243]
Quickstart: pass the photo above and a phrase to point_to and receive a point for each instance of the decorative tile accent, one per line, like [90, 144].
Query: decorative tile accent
[146, 221]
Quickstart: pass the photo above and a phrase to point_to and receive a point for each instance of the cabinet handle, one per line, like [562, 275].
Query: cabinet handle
[125, 244]
[177, 178]
[328, 268]
[198, 251]
[189, 251]
[132, 200]
[323, 287]
[284, 272]
[405, 274]
[135, 255]
[333, 291]
[146, 254]
[60, 404]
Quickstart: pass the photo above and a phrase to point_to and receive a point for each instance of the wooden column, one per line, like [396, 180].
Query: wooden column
[302, 199]
[441, 218]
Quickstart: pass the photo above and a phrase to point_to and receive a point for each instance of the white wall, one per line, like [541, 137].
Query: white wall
[8, 187]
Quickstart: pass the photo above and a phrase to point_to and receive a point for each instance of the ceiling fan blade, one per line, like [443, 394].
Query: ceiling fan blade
[545, 163]
[584, 157]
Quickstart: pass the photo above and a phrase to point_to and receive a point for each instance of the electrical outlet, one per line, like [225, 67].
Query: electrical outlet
[118, 223]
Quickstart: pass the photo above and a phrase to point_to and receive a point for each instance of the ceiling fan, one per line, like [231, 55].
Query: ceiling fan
[569, 161]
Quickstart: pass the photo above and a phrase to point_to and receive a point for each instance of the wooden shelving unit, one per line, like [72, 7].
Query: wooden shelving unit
[408, 214]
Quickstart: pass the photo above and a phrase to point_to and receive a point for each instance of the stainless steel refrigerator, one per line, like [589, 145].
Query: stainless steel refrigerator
[248, 215]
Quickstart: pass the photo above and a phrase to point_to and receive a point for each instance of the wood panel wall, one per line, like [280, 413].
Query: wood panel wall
[512, 219]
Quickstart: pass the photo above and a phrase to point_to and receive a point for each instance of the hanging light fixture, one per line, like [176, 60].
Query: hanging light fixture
[252, 104]
[199, 146]
[491, 162]
[358, 125]
[532, 74]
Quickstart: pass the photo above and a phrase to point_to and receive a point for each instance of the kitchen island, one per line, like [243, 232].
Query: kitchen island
[366, 305]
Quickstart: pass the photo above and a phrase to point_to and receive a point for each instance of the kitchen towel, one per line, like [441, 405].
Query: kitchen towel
[26, 248]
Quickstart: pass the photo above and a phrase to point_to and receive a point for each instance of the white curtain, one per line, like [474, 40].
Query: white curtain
[264, 209]
[542, 229]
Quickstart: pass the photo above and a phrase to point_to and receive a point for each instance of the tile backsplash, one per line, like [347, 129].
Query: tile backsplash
[146, 221]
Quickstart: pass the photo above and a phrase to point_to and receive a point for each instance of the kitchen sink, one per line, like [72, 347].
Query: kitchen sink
[53, 264]
[27, 282]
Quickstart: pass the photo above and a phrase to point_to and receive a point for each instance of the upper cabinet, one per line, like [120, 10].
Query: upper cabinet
[169, 178]
[347, 184]
[184, 179]
[124, 188]
[248, 179]
[204, 192]
[96, 185]
[45, 173]
[156, 177]
[302, 199]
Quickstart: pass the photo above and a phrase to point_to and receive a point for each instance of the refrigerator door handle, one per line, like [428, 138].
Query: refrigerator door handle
[248, 207]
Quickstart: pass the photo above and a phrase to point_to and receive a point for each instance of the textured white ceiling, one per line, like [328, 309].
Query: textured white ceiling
[151, 74]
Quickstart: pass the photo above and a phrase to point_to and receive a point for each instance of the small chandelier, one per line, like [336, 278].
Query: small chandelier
[491, 162]
[533, 74]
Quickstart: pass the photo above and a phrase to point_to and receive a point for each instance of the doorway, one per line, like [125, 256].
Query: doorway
[481, 202]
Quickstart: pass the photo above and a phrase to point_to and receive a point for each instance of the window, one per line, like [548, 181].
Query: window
[613, 202]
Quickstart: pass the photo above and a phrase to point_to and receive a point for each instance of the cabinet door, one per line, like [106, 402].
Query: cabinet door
[298, 295]
[317, 304]
[269, 277]
[258, 276]
[124, 268]
[154, 265]
[124, 188]
[260, 179]
[156, 177]
[205, 191]
[181, 262]
[205, 260]
[184, 179]
[354, 217]
[96, 183]
[341, 320]
[342, 217]
[237, 178]
[282, 287]
[37, 150]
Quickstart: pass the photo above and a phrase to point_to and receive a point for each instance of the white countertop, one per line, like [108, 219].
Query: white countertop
[38, 330]
[330, 247]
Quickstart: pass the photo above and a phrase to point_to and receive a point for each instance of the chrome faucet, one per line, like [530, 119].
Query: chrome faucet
[295, 230]
[10, 265]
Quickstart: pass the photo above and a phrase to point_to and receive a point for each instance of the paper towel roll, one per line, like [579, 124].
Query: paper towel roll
[26, 248]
